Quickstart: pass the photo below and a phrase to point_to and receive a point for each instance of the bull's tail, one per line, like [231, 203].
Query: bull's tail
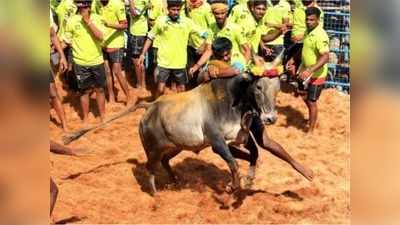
[75, 135]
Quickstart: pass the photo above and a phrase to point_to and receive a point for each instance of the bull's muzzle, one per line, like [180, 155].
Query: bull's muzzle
[269, 118]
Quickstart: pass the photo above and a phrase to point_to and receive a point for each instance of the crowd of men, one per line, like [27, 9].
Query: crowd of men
[175, 41]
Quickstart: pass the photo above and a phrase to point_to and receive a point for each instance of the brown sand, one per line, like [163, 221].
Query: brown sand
[109, 186]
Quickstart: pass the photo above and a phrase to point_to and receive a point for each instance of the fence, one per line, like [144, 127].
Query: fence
[337, 25]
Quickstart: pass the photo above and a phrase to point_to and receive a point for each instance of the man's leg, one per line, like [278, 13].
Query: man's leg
[181, 78]
[263, 140]
[139, 72]
[116, 67]
[101, 102]
[109, 81]
[137, 44]
[312, 115]
[58, 107]
[161, 77]
[313, 93]
[53, 195]
[160, 89]
[85, 106]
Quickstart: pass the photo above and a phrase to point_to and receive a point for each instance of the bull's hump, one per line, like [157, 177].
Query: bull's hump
[210, 94]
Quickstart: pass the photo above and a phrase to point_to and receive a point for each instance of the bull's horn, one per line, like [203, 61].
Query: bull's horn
[278, 59]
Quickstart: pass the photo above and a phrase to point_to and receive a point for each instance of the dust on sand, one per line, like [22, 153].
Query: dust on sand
[109, 185]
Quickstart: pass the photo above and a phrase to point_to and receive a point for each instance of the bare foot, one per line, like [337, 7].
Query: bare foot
[307, 173]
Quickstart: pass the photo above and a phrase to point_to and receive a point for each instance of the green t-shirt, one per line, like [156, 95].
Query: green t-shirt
[138, 25]
[113, 12]
[157, 9]
[233, 32]
[315, 43]
[203, 17]
[275, 16]
[173, 39]
[65, 10]
[86, 50]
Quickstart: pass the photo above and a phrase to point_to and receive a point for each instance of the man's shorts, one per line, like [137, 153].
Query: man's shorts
[115, 56]
[136, 44]
[164, 73]
[313, 91]
[89, 77]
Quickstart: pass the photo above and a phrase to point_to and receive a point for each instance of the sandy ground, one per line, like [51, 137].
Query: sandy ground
[109, 184]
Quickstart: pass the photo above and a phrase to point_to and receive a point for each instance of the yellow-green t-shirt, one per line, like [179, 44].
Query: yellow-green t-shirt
[285, 5]
[233, 32]
[315, 43]
[65, 10]
[95, 7]
[173, 39]
[275, 16]
[113, 12]
[203, 17]
[138, 25]
[157, 9]
[86, 50]
[251, 29]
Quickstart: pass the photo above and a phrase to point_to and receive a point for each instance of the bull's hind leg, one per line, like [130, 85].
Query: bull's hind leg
[165, 163]
[151, 166]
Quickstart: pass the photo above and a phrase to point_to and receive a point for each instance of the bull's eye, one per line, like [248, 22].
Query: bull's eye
[259, 87]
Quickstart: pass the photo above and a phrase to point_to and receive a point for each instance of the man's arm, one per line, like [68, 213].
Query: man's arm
[322, 60]
[92, 27]
[246, 51]
[271, 35]
[57, 46]
[146, 47]
[203, 59]
[122, 25]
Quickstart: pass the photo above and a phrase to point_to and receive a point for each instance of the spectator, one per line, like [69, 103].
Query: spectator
[314, 56]
[114, 17]
[54, 97]
[225, 28]
[173, 33]
[85, 32]
[277, 18]
[138, 29]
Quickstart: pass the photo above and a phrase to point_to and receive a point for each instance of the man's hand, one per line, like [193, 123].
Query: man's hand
[305, 74]
[63, 64]
[193, 69]
[85, 12]
[284, 29]
[291, 67]
[266, 50]
[141, 59]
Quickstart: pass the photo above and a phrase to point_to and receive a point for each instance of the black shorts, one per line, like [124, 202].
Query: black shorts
[89, 77]
[136, 44]
[115, 56]
[164, 73]
[313, 92]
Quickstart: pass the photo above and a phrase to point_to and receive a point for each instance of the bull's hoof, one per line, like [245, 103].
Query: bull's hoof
[248, 182]
[230, 188]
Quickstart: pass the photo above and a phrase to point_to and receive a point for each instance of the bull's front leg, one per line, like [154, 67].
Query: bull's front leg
[221, 148]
